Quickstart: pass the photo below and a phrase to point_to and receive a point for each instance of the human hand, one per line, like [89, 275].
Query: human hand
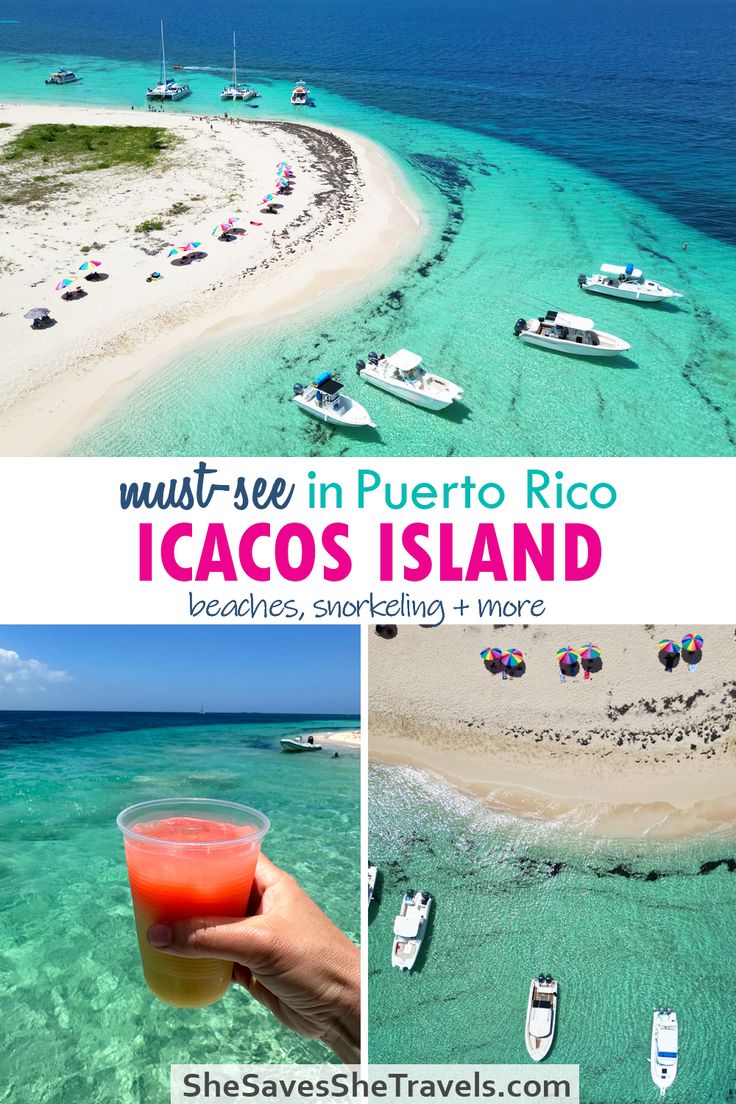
[287, 953]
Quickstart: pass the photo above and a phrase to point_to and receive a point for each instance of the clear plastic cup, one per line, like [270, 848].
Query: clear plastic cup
[189, 857]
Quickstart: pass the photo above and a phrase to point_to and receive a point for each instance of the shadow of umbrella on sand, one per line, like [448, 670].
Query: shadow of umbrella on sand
[669, 654]
[591, 659]
[692, 649]
[569, 661]
[492, 660]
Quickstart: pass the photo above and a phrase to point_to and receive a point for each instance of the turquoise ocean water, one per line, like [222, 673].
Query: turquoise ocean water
[535, 156]
[78, 1023]
[623, 926]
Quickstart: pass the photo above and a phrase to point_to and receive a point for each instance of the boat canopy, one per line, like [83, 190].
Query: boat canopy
[559, 318]
[327, 385]
[407, 927]
[540, 1021]
[621, 270]
[404, 360]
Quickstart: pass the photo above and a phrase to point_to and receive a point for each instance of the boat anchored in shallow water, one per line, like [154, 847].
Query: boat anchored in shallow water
[403, 374]
[300, 95]
[235, 91]
[63, 76]
[299, 743]
[167, 88]
[410, 927]
[568, 333]
[663, 1058]
[372, 875]
[626, 282]
[541, 1017]
[325, 399]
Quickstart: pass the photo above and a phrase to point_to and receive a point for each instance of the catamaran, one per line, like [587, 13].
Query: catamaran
[403, 374]
[63, 76]
[410, 927]
[663, 1059]
[299, 743]
[568, 333]
[372, 875]
[626, 282]
[300, 95]
[541, 1017]
[167, 88]
[235, 91]
[325, 399]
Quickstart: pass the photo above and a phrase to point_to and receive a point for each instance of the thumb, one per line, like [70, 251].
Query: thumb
[234, 938]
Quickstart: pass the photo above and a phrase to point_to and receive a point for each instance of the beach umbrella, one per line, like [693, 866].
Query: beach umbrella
[491, 654]
[89, 264]
[222, 228]
[173, 253]
[512, 657]
[669, 647]
[233, 218]
[189, 246]
[568, 656]
[267, 198]
[692, 642]
[589, 651]
[37, 312]
[62, 284]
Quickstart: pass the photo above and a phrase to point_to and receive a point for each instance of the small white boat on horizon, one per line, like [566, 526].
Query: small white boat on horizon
[403, 374]
[167, 88]
[626, 282]
[372, 875]
[541, 1017]
[569, 333]
[300, 95]
[325, 399]
[664, 1053]
[235, 91]
[63, 76]
[410, 927]
[299, 743]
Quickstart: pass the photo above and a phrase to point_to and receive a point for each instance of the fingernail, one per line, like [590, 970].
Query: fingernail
[159, 935]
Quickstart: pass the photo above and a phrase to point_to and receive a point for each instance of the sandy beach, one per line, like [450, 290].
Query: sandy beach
[350, 739]
[632, 751]
[349, 220]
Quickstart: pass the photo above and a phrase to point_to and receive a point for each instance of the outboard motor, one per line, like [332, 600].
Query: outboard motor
[520, 326]
[359, 366]
[540, 979]
[548, 979]
[582, 280]
[373, 358]
[298, 388]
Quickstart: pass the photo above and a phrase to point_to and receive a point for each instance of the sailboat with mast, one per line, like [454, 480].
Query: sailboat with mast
[235, 91]
[167, 88]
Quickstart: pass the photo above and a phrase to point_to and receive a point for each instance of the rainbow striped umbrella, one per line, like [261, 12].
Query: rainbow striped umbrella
[491, 654]
[568, 656]
[173, 253]
[63, 284]
[89, 264]
[222, 228]
[669, 647]
[512, 657]
[189, 246]
[590, 651]
[692, 642]
[267, 198]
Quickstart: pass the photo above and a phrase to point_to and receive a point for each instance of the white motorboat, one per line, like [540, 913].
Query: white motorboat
[568, 333]
[299, 743]
[541, 1017]
[626, 282]
[63, 76]
[235, 91]
[663, 1059]
[167, 88]
[403, 374]
[300, 95]
[372, 875]
[410, 927]
[325, 399]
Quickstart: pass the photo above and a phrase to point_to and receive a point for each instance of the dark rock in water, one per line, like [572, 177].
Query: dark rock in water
[709, 867]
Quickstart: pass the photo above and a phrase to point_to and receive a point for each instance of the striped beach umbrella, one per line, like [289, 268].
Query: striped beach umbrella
[669, 647]
[267, 198]
[63, 284]
[90, 264]
[568, 656]
[491, 654]
[222, 228]
[590, 651]
[173, 253]
[512, 657]
[189, 246]
[692, 642]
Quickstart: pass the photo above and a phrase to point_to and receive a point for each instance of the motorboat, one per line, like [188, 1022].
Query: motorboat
[299, 743]
[167, 88]
[300, 95]
[372, 875]
[410, 927]
[663, 1060]
[63, 76]
[325, 399]
[541, 1017]
[403, 374]
[568, 333]
[626, 282]
[235, 91]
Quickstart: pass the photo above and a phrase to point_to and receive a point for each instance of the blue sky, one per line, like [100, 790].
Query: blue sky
[228, 668]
